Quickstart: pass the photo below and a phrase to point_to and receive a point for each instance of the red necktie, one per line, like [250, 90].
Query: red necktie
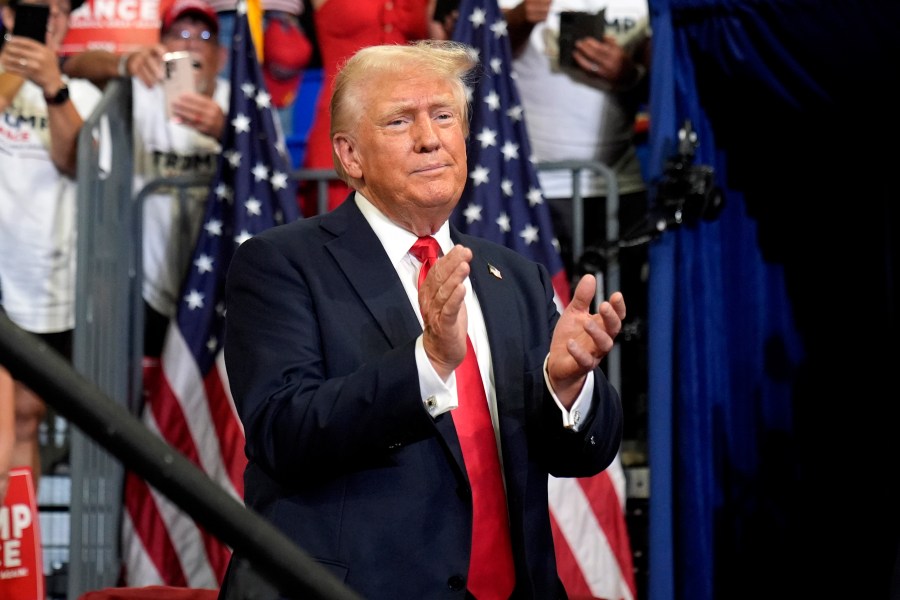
[491, 571]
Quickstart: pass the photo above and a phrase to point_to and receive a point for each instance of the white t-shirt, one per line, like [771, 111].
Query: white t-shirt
[38, 214]
[574, 118]
[163, 148]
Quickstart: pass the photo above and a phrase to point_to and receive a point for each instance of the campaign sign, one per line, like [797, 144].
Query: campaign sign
[21, 561]
[114, 25]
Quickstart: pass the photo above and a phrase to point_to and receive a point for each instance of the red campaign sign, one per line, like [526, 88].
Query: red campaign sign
[114, 25]
[21, 561]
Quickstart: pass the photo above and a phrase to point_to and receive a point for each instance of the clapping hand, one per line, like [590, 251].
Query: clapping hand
[581, 339]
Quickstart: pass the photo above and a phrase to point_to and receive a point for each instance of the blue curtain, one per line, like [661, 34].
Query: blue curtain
[773, 324]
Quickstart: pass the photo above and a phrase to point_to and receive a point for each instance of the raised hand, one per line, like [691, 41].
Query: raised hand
[581, 339]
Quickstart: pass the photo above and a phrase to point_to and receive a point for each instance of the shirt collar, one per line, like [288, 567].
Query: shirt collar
[396, 240]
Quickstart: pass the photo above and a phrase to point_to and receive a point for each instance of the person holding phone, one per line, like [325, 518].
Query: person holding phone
[182, 139]
[43, 112]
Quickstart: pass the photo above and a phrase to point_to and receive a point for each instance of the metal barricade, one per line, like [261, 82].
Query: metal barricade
[105, 340]
[108, 339]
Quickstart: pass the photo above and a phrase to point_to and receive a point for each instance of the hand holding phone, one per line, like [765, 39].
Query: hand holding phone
[178, 77]
[575, 25]
[31, 21]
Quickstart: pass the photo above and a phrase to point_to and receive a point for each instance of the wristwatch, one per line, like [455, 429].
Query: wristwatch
[61, 96]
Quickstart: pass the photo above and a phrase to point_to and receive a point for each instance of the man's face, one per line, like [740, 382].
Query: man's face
[409, 149]
[58, 23]
[195, 36]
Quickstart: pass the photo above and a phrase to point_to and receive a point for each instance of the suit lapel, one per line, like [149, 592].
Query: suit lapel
[361, 258]
[496, 298]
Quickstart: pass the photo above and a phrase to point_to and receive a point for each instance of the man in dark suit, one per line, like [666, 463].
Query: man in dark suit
[347, 377]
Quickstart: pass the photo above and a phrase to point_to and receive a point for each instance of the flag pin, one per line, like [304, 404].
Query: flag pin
[494, 271]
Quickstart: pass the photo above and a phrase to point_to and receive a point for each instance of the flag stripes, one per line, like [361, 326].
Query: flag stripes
[187, 400]
[503, 202]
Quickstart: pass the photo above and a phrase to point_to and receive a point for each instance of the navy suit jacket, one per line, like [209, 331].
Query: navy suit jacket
[343, 457]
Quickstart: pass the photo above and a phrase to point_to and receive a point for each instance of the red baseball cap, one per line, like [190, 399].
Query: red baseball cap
[196, 8]
[286, 52]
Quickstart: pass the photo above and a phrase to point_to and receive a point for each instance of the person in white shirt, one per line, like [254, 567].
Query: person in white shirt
[183, 143]
[42, 114]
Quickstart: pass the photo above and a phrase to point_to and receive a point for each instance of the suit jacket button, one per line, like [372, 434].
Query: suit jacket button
[456, 583]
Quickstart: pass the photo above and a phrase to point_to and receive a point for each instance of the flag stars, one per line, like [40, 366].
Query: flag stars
[480, 175]
[470, 93]
[279, 180]
[248, 88]
[253, 206]
[507, 186]
[510, 150]
[487, 137]
[472, 213]
[260, 172]
[497, 65]
[212, 344]
[499, 28]
[515, 112]
[529, 235]
[213, 227]
[225, 193]
[242, 237]
[204, 263]
[492, 100]
[478, 17]
[234, 158]
[194, 300]
[503, 222]
[535, 197]
[241, 123]
[263, 100]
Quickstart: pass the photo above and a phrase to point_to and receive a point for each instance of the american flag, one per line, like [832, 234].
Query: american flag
[503, 202]
[187, 397]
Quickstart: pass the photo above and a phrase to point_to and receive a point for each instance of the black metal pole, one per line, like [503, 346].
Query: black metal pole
[109, 424]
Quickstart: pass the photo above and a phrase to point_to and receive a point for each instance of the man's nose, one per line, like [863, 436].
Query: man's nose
[426, 135]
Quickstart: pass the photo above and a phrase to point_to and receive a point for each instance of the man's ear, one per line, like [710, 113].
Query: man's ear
[345, 149]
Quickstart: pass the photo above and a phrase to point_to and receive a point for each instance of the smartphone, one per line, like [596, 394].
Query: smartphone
[31, 21]
[575, 25]
[178, 77]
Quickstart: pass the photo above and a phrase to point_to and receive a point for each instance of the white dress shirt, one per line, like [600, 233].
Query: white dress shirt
[440, 396]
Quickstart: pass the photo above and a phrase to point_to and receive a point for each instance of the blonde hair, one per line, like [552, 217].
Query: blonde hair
[452, 60]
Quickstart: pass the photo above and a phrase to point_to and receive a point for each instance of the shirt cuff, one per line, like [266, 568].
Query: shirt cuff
[581, 409]
[438, 396]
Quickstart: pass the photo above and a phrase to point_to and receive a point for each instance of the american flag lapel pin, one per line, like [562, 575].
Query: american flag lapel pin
[494, 271]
